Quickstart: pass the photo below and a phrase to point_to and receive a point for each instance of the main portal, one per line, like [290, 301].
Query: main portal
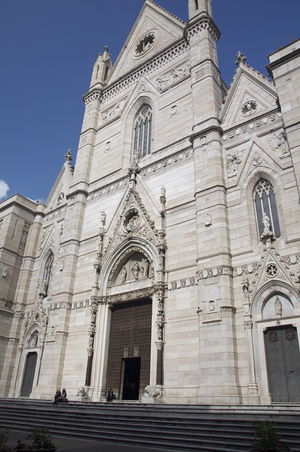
[128, 371]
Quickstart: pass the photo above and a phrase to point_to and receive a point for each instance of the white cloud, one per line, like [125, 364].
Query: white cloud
[3, 188]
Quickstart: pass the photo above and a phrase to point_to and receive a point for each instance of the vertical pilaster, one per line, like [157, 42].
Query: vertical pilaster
[217, 369]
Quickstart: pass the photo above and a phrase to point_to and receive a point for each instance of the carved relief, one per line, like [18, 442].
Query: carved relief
[278, 142]
[248, 108]
[234, 160]
[131, 221]
[135, 268]
[112, 113]
[173, 77]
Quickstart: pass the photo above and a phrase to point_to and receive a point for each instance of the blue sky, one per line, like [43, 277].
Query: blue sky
[47, 50]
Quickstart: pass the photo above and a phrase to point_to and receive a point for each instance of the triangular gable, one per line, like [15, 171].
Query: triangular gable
[60, 189]
[271, 267]
[154, 30]
[245, 158]
[134, 218]
[250, 95]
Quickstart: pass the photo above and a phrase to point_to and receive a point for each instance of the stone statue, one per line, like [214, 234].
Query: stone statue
[278, 307]
[146, 268]
[135, 271]
[123, 275]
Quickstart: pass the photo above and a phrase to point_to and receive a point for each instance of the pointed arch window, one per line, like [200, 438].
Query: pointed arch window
[142, 131]
[47, 275]
[265, 203]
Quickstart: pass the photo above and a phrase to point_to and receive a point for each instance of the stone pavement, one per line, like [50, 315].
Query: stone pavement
[64, 444]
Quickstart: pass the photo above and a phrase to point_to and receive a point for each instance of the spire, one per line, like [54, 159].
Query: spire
[199, 7]
[101, 69]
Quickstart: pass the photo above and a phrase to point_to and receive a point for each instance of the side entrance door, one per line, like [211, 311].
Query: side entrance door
[283, 363]
[29, 372]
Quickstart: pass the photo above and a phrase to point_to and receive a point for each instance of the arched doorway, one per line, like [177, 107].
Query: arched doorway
[283, 363]
[128, 371]
[29, 372]
[276, 312]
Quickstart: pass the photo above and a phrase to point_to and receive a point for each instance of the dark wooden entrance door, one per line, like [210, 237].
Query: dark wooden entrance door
[283, 363]
[29, 374]
[131, 379]
[128, 368]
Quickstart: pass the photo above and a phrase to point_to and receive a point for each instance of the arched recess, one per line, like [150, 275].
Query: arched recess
[248, 185]
[276, 317]
[30, 360]
[130, 114]
[135, 294]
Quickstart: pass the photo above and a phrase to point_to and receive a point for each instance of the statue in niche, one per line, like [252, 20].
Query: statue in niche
[33, 341]
[146, 268]
[123, 275]
[278, 307]
[131, 220]
[135, 271]
[267, 225]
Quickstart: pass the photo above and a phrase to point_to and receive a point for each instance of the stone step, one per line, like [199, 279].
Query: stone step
[179, 429]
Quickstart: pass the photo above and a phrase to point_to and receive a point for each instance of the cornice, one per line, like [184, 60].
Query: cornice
[204, 22]
[213, 128]
[283, 60]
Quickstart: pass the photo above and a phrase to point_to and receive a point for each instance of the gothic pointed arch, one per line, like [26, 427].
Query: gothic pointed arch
[142, 131]
[139, 123]
[266, 207]
[131, 264]
[47, 273]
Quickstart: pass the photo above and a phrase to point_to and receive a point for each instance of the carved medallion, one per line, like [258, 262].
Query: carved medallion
[271, 270]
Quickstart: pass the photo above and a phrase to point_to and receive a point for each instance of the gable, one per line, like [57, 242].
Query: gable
[154, 30]
[61, 186]
[249, 96]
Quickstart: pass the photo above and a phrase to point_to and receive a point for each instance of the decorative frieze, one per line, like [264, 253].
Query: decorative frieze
[238, 131]
[162, 164]
[213, 272]
[182, 283]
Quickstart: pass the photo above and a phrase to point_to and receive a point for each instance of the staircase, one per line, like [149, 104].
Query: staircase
[174, 427]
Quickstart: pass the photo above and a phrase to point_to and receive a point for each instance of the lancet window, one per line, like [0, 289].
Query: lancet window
[47, 275]
[265, 205]
[142, 131]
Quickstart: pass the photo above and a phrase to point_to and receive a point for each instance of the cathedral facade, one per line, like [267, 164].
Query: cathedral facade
[166, 263]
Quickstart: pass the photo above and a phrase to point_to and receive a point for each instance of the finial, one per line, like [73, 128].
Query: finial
[240, 58]
[105, 54]
[68, 156]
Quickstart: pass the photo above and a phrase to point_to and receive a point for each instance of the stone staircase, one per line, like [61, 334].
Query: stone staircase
[170, 427]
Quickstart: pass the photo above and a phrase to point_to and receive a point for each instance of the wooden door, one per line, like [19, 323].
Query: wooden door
[29, 372]
[283, 363]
